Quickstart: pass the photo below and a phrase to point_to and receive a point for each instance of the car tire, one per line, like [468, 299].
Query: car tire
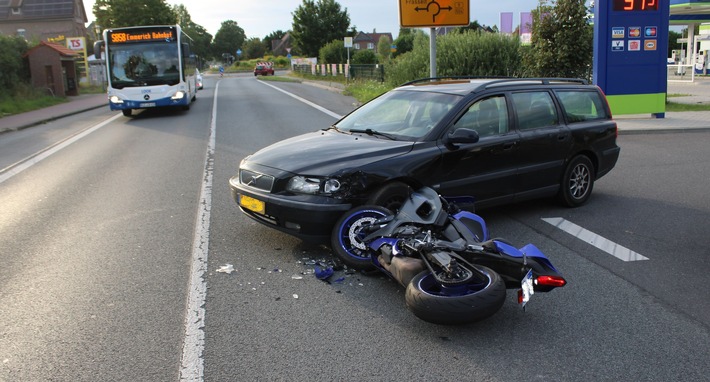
[391, 195]
[577, 182]
[127, 112]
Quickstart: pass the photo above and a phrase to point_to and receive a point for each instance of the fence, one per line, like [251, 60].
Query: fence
[370, 72]
[681, 73]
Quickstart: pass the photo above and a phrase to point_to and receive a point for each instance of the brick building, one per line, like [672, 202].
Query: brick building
[369, 40]
[53, 67]
[42, 20]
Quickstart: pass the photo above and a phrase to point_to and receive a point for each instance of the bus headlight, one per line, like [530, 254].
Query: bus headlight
[115, 99]
[179, 95]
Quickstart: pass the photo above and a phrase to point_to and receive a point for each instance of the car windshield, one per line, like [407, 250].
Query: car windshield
[144, 64]
[403, 114]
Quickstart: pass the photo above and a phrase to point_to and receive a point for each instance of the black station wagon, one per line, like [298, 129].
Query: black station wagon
[498, 140]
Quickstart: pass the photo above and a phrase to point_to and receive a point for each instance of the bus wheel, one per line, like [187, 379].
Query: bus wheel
[127, 112]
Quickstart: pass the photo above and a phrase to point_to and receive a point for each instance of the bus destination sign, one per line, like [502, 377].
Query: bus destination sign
[129, 36]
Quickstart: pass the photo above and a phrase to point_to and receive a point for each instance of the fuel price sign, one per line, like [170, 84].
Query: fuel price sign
[630, 44]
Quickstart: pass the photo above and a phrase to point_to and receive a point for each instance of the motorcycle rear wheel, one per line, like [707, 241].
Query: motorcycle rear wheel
[431, 302]
[346, 244]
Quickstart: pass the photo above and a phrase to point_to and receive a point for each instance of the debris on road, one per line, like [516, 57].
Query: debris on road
[227, 268]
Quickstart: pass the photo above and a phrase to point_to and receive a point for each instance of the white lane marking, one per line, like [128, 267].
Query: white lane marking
[192, 365]
[307, 102]
[16, 168]
[606, 245]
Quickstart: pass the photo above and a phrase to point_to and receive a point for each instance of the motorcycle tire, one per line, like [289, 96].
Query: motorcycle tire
[430, 302]
[346, 245]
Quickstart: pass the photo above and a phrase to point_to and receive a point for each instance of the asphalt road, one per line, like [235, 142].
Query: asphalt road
[97, 243]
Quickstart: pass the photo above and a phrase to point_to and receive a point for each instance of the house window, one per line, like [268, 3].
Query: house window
[16, 11]
[370, 45]
[357, 45]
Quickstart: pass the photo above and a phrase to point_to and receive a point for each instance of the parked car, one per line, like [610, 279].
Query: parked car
[264, 68]
[499, 140]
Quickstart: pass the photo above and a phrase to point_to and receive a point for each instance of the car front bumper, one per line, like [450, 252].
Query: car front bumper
[308, 217]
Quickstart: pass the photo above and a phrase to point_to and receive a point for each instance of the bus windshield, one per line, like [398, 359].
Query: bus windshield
[143, 64]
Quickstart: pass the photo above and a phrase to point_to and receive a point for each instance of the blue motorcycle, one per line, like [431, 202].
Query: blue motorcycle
[453, 272]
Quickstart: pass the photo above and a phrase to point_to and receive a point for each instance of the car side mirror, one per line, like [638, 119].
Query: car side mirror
[461, 136]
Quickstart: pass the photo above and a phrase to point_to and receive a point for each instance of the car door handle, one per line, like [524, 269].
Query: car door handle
[509, 146]
[562, 136]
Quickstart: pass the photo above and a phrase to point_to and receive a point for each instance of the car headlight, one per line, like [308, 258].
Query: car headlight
[115, 99]
[179, 95]
[312, 185]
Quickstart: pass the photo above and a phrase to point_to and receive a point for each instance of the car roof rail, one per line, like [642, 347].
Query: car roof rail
[501, 81]
[541, 80]
[434, 79]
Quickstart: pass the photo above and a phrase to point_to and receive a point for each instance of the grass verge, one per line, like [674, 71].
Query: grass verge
[675, 106]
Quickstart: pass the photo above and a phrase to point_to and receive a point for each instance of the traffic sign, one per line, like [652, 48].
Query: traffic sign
[433, 13]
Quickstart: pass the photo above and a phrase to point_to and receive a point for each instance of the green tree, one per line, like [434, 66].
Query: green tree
[405, 40]
[562, 41]
[12, 69]
[275, 35]
[316, 23]
[254, 48]
[201, 40]
[228, 39]
[412, 64]
[384, 48]
[333, 52]
[126, 13]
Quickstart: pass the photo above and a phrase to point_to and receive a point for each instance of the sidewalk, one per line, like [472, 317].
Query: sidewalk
[697, 92]
[75, 105]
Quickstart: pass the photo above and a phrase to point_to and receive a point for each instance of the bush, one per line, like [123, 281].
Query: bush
[333, 52]
[13, 70]
[478, 54]
[364, 57]
[466, 54]
[411, 65]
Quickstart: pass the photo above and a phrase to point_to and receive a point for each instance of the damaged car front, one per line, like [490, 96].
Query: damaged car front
[283, 187]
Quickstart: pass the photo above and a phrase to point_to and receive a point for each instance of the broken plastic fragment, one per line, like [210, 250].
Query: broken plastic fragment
[295, 296]
[339, 280]
[227, 268]
[297, 277]
[323, 273]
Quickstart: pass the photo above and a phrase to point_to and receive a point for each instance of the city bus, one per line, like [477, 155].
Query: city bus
[148, 67]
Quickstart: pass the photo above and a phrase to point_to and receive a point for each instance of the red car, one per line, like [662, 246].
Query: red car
[264, 68]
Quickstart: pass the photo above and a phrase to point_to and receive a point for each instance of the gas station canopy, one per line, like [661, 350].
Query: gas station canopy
[684, 12]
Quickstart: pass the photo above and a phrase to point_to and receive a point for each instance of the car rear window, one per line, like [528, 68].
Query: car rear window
[580, 106]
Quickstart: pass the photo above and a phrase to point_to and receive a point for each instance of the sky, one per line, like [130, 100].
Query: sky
[259, 18]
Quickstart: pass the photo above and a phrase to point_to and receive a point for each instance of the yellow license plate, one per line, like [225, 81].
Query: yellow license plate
[252, 204]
